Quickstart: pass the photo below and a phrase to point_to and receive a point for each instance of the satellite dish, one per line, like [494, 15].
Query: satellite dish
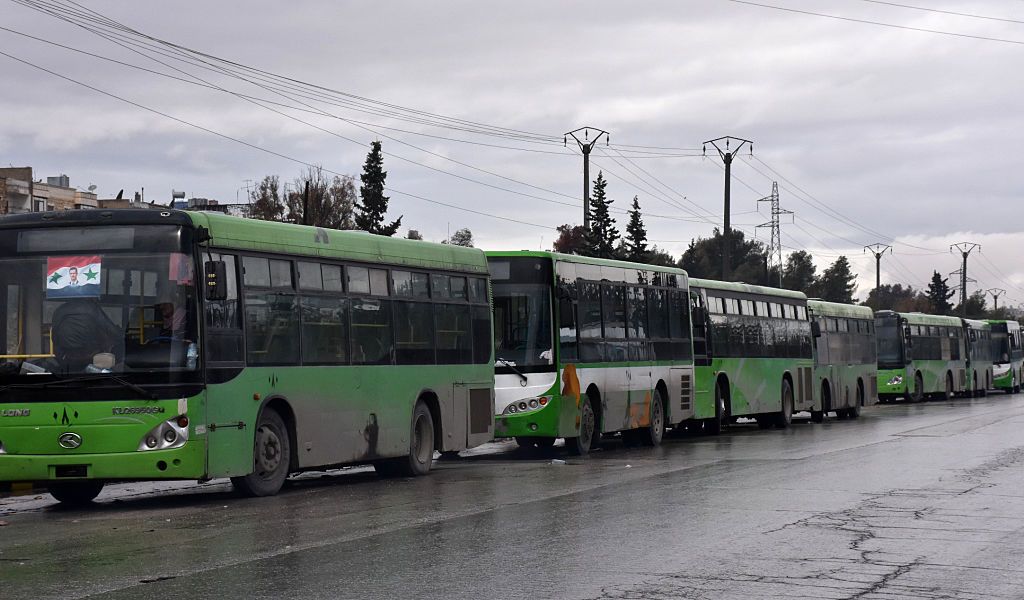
[92, 187]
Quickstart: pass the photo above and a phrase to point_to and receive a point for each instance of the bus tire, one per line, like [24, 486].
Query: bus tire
[784, 418]
[421, 448]
[917, 395]
[272, 453]
[75, 493]
[580, 445]
[854, 411]
[715, 426]
[818, 416]
[655, 431]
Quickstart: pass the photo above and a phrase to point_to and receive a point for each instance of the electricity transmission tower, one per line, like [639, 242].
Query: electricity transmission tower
[965, 249]
[996, 293]
[775, 248]
[586, 145]
[727, 155]
[878, 250]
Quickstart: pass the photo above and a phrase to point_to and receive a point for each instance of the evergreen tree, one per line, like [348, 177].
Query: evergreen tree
[414, 234]
[635, 243]
[657, 256]
[898, 298]
[939, 295]
[799, 272]
[836, 283]
[975, 306]
[370, 213]
[703, 258]
[602, 235]
[265, 200]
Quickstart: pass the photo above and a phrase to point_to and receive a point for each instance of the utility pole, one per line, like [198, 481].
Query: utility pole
[775, 248]
[996, 293]
[727, 155]
[878, 250]
[965, 249]
[586, 145]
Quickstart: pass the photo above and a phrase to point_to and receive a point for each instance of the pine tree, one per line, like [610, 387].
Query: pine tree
[939, 295]
[635, 244]
[602, 235]
[799, 272]
[836, 283]
[370, 213]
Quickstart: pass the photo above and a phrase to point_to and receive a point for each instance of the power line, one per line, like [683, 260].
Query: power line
[944, 12]
[255, 146]
[879, 23]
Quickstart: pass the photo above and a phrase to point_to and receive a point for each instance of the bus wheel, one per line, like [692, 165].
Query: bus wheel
[75, 493]
[854, 411]
[579, 446]
[421, 448]
[653, 433]
[784, 418]
[948, 395]
[818, 416]
[271, 458]
[917, 394]
[715, 426]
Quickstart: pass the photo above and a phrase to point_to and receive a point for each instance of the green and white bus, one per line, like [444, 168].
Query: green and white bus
[1007, 356]
[196, 346]
[752, 354]
[919, 355]
[586, 347]
[979, 357]
[845, 367]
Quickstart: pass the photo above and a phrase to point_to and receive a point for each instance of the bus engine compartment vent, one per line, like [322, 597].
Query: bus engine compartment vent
[685, 391]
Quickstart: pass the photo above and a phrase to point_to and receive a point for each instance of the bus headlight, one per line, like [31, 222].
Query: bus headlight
[526, 406]
[896, 380]
[172, 433]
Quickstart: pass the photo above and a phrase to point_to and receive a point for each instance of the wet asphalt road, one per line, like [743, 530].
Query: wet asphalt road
[910, 501]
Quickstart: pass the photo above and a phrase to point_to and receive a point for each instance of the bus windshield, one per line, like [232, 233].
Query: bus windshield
[95, 300]
[1000, 346]
[522, 325]
[890, 344]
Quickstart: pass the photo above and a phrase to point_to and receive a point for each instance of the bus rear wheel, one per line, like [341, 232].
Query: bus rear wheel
[655, 431]
[580, 445]
[421, 448]
[272, 454]
[75, 493]
[784, 418]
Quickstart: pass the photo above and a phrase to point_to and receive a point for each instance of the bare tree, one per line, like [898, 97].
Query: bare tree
[329, 204]
[265, 200]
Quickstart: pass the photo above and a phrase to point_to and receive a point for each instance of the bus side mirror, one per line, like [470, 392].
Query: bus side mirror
[216, 280]
[698, 314]
[906, 334]
[562, 293]
[815, 329]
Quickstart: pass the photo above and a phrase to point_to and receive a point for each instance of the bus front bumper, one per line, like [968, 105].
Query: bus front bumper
[892, 382]
[187, 462]
[542, 422]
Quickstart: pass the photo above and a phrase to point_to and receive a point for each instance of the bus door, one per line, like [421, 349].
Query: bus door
[699, 320]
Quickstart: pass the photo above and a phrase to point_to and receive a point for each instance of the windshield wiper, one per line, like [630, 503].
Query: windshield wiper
[513, 367]
[138, 389]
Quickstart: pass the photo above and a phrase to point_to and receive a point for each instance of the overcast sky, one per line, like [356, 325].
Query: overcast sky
[915, 136]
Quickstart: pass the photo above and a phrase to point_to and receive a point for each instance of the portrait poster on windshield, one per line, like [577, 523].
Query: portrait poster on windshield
[73, 277]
